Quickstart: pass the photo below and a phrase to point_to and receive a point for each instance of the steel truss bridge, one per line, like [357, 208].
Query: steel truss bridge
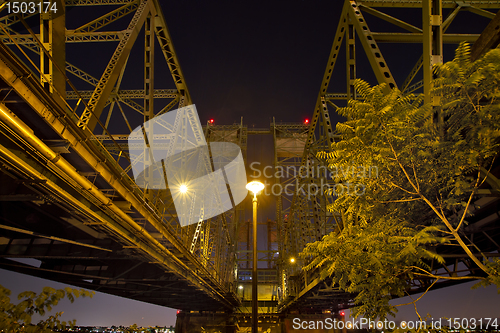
[68, 198]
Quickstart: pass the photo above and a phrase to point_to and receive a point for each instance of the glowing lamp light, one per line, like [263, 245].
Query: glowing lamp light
[183, 188]
[240, 287]
[255, 187]
[292, 260]
[306, 121]
[178, 311]
[342, 313]
[211, 121]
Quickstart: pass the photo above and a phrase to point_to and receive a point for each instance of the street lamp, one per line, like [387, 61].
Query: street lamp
[255, 187]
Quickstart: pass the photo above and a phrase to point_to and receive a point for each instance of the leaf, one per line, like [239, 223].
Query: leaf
[426, 173]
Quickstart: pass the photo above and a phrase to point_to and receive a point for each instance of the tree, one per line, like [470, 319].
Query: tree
[428, 172]
[133, 329]
[17, 317]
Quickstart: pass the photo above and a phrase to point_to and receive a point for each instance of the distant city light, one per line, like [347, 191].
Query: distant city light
[306, 121]
[292, 260]
[211, 121]
[240, 287]
[342, 313]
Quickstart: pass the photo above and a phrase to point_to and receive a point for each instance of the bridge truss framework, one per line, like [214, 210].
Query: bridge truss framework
[307, 218]
[66, 145]
[64, 160]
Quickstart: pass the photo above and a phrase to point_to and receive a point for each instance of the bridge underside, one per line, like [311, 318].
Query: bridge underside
[70, 212]
[65, 217]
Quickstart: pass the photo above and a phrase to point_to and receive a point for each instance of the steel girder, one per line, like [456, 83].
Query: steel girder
[301, 209]
[217, 236]
[303, 217]
[432, 35]
[142, 222]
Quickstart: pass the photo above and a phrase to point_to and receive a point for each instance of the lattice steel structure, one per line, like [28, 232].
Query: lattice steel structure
[307, 216]
[66, 115]
[301, 211]
[68, 100]
[299, 220]
[353, 27]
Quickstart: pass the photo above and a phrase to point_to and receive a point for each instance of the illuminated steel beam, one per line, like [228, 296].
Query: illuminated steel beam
[133, 94]
[372, 51]
[168, 50]
[106, 83]
[489, 38]
[418, 3]
[51, 38]
[390, 19]
[71, 37]
[432, 18]
[97, 2]
[479, 11]
[82, 75]
[107, 18]
[91, 37]
[11, 19]
[388, 37]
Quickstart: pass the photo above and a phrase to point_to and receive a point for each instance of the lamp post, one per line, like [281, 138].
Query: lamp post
[255, 187]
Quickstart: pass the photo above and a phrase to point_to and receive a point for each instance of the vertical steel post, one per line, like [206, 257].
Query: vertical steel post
[53, 39]
[350, 58]
[255, 308]
[432, 44]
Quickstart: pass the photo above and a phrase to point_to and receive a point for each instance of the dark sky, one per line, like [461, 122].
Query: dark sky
[260, 59]
[253, 59]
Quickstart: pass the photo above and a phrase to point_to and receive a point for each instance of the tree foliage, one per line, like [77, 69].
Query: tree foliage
[18, 317]
[430, 163]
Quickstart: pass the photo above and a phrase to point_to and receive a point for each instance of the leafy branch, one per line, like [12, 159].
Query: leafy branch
[18, 317]
[428, 177]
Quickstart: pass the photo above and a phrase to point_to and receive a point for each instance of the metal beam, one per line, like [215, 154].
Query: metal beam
[36, 234]
[377, 61]
[108, 79]
[332, 59]
[489, 38]
[122, 94]
[397, 37]
[432, 18]
[418, 3]
[166, 46]
[390, 19]
[107, 18]
[52, 37]
[97, 2]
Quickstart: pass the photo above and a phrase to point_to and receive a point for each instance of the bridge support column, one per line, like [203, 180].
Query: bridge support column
[197, 322]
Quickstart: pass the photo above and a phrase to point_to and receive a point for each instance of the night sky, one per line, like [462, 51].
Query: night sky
[260, 59]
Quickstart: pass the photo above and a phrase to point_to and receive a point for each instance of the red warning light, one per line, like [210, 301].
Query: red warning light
[211, 121]
[342, 313]
[306, 121]
[178, 311]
